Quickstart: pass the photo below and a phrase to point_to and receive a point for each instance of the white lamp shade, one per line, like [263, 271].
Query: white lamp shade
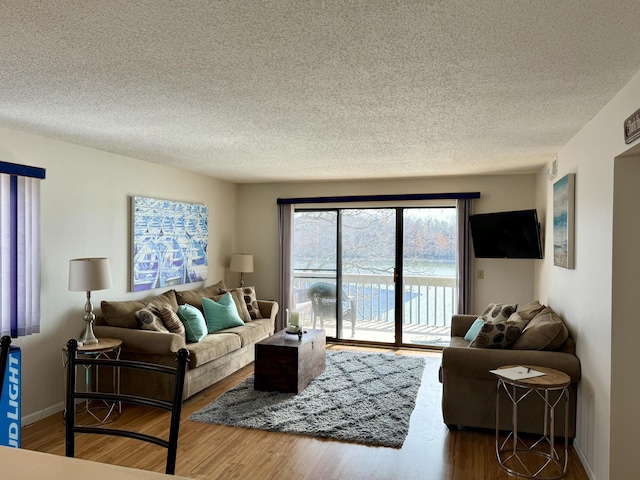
[89, 274]
[241, 262]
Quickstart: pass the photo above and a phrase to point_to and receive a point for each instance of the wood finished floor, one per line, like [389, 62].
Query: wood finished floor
[430, 452]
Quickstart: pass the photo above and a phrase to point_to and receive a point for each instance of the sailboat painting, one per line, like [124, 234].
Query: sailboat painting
[169, 244]
[563, 221]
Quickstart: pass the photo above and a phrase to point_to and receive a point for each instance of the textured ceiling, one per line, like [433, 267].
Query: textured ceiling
[288, 90]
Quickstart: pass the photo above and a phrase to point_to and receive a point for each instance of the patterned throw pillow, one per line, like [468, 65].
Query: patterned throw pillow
[251, 300]
[498, 312]
[147, 320]
[169, 318]
[500, 334]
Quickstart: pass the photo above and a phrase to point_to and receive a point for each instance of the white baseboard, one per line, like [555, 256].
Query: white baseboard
[45, 412]
[583, 460]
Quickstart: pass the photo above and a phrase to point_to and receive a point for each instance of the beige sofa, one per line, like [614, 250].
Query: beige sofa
[469, 389]
[218, 355]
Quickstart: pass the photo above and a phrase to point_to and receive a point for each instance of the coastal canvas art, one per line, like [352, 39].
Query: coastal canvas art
[169, 243]
[563, 221]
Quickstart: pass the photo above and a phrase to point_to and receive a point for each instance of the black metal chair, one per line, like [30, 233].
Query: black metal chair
[5, 344]
[323, 298]
[174, 405]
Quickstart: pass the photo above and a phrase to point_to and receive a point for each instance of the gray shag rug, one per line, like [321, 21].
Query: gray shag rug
[360, 397]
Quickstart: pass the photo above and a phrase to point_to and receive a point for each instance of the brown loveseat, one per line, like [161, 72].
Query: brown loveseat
[469, 389]
[216, 356]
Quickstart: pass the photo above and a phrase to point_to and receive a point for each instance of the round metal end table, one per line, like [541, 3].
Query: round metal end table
[97, 412]
[535, 457]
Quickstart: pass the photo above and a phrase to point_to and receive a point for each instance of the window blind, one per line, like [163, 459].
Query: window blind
[20, 249]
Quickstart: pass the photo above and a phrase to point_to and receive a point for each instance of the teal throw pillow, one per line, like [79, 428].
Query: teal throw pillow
[194, 324]
[474, 330]
[221, 314]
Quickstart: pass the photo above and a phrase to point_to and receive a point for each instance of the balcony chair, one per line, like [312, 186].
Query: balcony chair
[174, 405]
[323, 302]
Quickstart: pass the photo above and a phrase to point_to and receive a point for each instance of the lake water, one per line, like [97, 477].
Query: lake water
[415, 269]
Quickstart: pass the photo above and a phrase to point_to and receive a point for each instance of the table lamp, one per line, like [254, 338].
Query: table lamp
[243, 263]
[87, 275]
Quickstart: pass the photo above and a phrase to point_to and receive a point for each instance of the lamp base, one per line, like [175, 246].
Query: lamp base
[88, 337]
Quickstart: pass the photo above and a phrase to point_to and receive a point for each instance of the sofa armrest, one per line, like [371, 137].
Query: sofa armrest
[460, 324]
[268, 309]
[143, 341]
[476, 362]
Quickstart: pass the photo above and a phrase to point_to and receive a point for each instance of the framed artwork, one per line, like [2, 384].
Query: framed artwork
[169, 245]
[564, 221]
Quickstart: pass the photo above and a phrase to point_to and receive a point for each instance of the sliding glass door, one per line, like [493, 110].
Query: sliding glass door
[382, 275]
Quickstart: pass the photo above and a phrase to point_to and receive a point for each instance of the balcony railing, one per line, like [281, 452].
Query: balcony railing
[428, 301]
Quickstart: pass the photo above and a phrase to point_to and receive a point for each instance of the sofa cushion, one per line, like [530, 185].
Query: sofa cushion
[194, 324]
[123, 314]
[500, 334]
[473, 331]
[546, 331]
[194, 297]
[169, 318]
[530, 310]
[498, 312]
[148, 320]
[212, 347]
[458, 342]
[221, 314]
[253, 331]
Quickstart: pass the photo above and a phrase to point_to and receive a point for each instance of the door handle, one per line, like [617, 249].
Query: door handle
[395, 274]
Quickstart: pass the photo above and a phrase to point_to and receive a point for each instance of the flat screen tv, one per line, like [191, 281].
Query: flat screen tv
[506, 234]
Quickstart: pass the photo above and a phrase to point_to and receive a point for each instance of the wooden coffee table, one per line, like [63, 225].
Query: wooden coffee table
[285, 363]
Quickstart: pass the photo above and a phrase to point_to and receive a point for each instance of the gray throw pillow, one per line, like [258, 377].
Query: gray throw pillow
[530, 310]
[546, 331]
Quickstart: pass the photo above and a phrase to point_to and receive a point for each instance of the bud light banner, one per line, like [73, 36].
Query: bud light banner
[10, 414]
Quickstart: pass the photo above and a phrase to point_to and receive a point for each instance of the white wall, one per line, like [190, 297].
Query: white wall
[504, 280]
[85, 205]
[625, 327]
[583, 296]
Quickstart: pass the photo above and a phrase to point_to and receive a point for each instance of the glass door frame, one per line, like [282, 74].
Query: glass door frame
[461, 199]
[398, 277]
[398, 272]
